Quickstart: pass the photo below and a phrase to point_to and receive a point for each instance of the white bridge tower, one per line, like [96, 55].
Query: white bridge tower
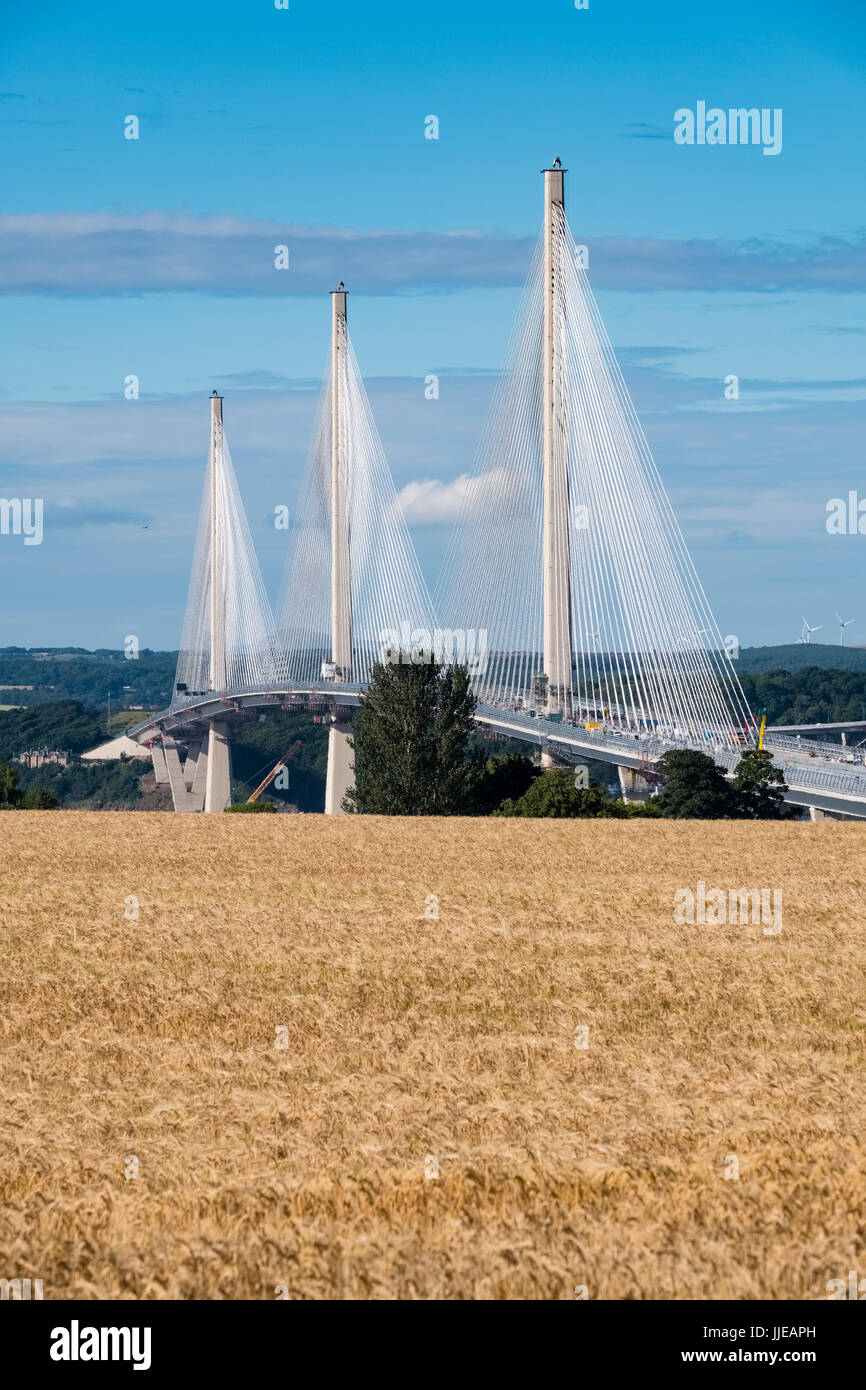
[340, 775]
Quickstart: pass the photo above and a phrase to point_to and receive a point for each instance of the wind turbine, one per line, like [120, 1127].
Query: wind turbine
[843, 623]
[807, 631]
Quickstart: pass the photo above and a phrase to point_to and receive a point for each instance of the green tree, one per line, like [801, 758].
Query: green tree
[39, 799]
[10, 792]
[695, 787]
[554, 795]
[504, 777]
[252, 807]
[410, 739]
[759, 787]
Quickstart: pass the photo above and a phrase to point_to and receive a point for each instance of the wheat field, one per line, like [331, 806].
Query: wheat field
[243, 1058]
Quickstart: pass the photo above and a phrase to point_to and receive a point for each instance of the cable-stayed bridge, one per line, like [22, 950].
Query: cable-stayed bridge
[567, 586]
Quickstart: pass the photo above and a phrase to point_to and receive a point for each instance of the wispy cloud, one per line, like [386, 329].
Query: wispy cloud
[29, 120]
[834, 330]
[113, 254]
[73, 513]
[642, 130]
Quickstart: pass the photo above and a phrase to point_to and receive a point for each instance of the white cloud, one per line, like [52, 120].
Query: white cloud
[428, 502]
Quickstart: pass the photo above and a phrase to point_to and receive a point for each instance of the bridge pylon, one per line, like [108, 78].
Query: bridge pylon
[353, 594]
[566, 551]
[218, 779]
[555, 535]
[341, 774]
[556, 571]
[228, 639]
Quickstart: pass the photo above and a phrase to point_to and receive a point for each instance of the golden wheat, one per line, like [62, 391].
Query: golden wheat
[416, 1044]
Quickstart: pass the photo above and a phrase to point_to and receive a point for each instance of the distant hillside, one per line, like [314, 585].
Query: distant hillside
[799, 654]
[66, 725]
[70, 673]
[812, 695]
[43, 674]
[118, 786]
[69, 726]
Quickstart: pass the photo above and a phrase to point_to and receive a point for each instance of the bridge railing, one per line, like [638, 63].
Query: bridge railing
[801, 778]
[643, 745]
[798, 776]
[836, 751]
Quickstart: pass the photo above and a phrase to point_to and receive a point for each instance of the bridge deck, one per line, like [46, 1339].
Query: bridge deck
[837, 788]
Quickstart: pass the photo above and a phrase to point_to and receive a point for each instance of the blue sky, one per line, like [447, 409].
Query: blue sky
[154, 257]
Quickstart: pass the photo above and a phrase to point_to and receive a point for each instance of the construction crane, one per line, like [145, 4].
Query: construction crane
[298, 743]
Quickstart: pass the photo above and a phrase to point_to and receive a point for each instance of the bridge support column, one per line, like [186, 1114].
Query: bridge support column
[181, 797]
[160, 771]
[193, 752]
[199, 781]
[218, 777]
[341, 768]
[550, 759]
[634, 787]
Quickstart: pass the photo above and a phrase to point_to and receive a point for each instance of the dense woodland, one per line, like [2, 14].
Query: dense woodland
[67, 725]
[808, 696]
